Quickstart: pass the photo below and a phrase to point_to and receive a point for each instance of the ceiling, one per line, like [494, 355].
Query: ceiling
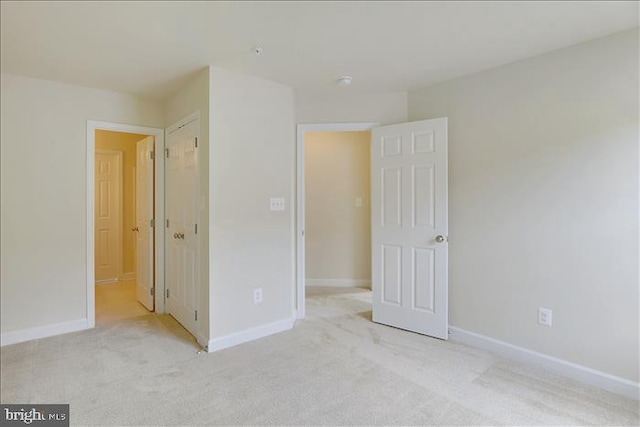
[152, 48]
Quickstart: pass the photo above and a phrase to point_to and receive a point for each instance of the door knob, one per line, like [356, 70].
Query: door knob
[440, 238]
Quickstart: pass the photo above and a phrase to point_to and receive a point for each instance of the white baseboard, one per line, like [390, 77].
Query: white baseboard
[341, 283]
[23, 335]
[562, 367]
[247, 335]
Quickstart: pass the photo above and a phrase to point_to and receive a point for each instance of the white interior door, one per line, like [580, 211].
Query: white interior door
[145, 283]
[182, 189]
[409, 226]
[108, 215]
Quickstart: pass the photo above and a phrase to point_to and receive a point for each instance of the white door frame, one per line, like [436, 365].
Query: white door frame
[300, 197]
[158, 133]
[120, 244]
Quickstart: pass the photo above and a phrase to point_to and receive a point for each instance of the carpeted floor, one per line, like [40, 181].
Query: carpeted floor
[334, 368]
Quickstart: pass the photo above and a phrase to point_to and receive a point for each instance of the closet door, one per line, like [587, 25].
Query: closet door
[182, 240]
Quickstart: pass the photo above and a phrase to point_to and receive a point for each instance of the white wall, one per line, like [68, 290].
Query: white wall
[43, 172]
[194, 96]
[349, 106]
[337, 232]
[544, 201]
[252, 158]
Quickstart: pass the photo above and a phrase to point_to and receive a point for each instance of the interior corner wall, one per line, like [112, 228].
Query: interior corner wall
[544, 201]
[337, 229]
[252, 159]
[194, 96]
[349, 106]
[43, 144]
[125, 143]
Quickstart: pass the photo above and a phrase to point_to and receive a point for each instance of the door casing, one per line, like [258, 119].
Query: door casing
[300, 197]
[159, 219]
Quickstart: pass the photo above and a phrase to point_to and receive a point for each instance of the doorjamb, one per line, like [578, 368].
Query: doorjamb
[158, 133]
[300, 238]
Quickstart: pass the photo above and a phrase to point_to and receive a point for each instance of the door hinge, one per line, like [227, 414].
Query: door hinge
[167, 292]
[166, 152]
[196, 226]
[152, 155]
[152, 291]
[152, 223]
[196, 142]
[167, 223]
[196, 315]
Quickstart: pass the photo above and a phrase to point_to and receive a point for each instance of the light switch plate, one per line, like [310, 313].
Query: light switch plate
[277, 203]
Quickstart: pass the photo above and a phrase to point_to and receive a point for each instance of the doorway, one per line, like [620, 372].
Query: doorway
[125, 196]
[333, 212]
[409, 222]
[124, 211]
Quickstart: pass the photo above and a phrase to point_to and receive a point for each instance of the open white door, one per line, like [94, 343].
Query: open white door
[144, 227]
[182, 202]
[409, 226]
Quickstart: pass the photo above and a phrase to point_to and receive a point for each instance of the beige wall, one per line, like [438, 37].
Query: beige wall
[194, 96]
[346, 105]
[252, 159]
[126, 143]
[337, 232]
[43, 194]
[544, 201]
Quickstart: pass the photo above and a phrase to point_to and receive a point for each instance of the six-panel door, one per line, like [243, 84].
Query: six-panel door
[409, 218]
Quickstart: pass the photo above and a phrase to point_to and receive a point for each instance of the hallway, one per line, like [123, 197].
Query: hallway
[117, 301]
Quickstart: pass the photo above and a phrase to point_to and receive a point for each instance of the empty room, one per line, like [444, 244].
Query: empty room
[320, 213]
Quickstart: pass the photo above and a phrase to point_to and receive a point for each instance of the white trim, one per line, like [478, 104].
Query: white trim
[300, 240]
[158, 133]
[340, 283]
[23, 335]
[183, 122]
[558, 366]
[252, 334]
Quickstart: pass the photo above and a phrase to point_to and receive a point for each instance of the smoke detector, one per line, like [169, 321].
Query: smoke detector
[344, 81]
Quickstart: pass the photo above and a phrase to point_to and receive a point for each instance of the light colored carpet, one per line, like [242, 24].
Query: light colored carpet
[334, 368]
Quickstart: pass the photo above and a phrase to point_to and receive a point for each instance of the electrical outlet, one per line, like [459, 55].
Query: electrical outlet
[277, 204]
[257, 296]
[545, 316]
